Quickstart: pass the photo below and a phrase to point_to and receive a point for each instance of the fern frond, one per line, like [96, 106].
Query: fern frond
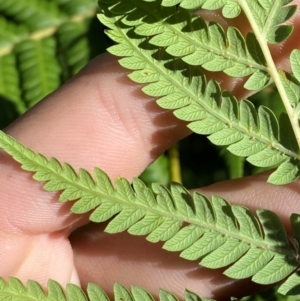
[189, 38]
[183, 89]
[15, 290]
[214, 231]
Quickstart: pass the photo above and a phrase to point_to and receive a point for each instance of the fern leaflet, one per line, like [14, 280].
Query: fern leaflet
[214, 231]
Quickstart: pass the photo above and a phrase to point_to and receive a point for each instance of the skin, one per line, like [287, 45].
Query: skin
[100, 118]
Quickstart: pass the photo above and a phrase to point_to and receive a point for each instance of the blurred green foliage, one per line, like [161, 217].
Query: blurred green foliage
[157, 172]
[42, 44]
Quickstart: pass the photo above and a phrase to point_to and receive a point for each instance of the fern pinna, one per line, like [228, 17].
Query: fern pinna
[214, 232]
[167, 45]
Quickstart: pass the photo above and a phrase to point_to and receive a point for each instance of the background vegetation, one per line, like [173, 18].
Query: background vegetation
[45, 42]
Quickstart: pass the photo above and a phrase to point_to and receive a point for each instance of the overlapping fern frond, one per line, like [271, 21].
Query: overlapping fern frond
[183, 88]
[269, 15]
[212, 231]
[231, 8]
[15, 290]
[42, 44]
[190, 38]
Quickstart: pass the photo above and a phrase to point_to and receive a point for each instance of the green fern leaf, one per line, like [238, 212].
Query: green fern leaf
[95, 293]
[291, 87]
[257, 81]
[225, 136]
[15, 290]
[16, 286]
[291, 83]
[140, 294]
[268, 15]
[252, 262]
[121, 293]
[35, 290]
[166, 296]
[246, 147]
[73, 45]
[226, 254]
[55, 291]
[295, 63]
[231, 10]
[212, 231]
[75, 293]
[212, 5]
[214, 51]
[284, 173]
[265, 158]
[183, 238]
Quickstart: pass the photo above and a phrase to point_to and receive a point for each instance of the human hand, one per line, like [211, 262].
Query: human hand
[100, 118]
